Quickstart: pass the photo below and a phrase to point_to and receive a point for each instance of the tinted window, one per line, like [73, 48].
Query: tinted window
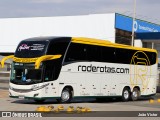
[31, 49]
[52, 70]
[94, 53]
[153, 57]
[53, 67]
[127, 56]
[124, 55]
[57, 47]
[76, 52]
[108, 54]
[84, 52]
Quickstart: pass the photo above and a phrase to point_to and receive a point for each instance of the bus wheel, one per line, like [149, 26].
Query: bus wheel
[66, 95]
[135, 94]
[125, 94]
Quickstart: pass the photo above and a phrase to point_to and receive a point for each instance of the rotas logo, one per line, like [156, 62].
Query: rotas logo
[140, 70]
[23, 47]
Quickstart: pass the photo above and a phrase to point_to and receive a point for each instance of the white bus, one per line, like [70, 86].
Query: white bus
[66, 67]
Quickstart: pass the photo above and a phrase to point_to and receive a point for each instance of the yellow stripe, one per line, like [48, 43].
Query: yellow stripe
[24, 60]
[36, 60]
[44, 58]
[99, 42]
[4, 59]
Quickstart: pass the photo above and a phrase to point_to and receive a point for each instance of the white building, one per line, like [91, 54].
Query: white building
[113, 27]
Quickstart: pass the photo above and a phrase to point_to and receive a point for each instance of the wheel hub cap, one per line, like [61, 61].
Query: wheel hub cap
[65, 96]
[126, 94]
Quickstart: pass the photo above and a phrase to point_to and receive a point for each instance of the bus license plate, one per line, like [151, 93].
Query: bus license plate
[21, 97]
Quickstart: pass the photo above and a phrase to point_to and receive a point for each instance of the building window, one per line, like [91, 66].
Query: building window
[123, 37]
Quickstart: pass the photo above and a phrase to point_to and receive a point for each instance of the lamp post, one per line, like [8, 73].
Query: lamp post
[134, 18]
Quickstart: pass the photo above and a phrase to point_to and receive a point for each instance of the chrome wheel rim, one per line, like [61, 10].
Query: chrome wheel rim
[65, 95]
[135, 94]
[126, 94]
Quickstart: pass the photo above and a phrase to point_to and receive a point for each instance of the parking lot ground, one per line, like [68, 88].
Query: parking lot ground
[11, 104]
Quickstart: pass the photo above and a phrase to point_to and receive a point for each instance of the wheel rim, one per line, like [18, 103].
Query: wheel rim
[135, 94]
[65, 96]
[126, 94]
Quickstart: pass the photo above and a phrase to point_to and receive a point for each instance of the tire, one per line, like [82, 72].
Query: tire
[126, 94]
[66, 96]
[135, 94]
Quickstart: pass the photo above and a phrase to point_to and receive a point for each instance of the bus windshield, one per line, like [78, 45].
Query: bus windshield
[25, 74]
[31, 49]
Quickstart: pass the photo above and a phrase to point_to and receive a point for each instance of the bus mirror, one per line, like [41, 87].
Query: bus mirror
[44, 58]
[4, 59]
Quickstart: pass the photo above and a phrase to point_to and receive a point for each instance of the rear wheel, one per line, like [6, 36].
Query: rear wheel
[135, 94]
[66, 95]
[125, 94]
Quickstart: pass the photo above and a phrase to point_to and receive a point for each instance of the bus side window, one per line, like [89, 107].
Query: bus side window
[122, 56]
[76, 52]
[152, 57]
[94, 53]
[57, 48]
[49, 71]
[108, 54]
[48, 75]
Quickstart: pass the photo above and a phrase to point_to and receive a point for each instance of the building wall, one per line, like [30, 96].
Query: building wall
[13, 30]
[138, 43]
[125, 23]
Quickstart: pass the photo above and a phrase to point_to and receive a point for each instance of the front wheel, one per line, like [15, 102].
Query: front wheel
[66, 95]
[125, 94]
[135, 94]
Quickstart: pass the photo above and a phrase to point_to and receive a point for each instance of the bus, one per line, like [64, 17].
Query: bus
[64, 68]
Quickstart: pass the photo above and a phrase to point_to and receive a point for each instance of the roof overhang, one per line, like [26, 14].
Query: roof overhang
[149, 36]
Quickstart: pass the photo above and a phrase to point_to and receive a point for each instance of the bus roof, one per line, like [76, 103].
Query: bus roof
[107, 43]
[44, 38]
[90, 41]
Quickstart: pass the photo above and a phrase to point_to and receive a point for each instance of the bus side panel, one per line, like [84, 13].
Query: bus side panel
[72, 77]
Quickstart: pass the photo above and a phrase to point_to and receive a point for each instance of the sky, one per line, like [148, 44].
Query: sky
[146, 9]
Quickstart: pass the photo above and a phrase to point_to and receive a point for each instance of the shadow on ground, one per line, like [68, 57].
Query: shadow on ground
[82, 100]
